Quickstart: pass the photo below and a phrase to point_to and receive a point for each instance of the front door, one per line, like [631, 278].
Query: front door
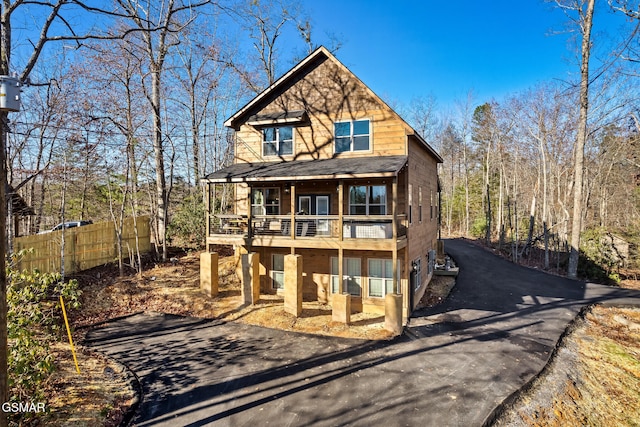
[322, 208]
[315, 205]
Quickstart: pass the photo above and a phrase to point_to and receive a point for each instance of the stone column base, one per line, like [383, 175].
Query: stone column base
[293, 284]
[393, 313]
[341, 308]
[209, 273]
[250, 278]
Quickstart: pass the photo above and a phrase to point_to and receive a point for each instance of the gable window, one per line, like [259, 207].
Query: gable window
[265, 201]
[352, 135]
[368, 200]
[277, 141]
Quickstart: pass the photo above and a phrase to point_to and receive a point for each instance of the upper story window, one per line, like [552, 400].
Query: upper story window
[352, 135]
[265, 201]
[277, 141]
[368, 200]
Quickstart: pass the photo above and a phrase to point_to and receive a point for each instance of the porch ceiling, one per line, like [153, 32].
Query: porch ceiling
[336, 168]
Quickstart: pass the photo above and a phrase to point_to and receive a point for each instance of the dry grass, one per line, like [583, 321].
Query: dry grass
[98, 396]
[594, 379]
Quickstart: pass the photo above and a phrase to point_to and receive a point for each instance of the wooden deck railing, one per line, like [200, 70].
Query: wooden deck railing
[310, 226]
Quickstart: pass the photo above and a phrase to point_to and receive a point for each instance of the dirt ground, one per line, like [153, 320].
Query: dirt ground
[89, 399]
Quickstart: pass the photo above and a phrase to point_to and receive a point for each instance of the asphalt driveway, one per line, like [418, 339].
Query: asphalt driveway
[453, 366]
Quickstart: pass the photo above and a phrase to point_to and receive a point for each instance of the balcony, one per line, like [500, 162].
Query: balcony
[278, 230]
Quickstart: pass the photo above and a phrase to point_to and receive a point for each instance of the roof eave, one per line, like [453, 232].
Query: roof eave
[232, 121]
[299, 178]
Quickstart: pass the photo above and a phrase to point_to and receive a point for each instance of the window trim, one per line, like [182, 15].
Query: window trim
[278, 141]
[345, 275]
[352, 136]
[273, 270]
[264, 205]
[420, 205]
[367, 204]
[410, 191]
[387, 276]
[417, 270]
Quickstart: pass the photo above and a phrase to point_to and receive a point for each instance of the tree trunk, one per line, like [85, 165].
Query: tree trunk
[578, 163]
[5, 52]
[161, 182]
[532, 220]
[4, 380]
[488, 237]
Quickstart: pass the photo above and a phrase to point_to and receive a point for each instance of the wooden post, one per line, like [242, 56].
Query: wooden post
[394, 214]
[293, 212]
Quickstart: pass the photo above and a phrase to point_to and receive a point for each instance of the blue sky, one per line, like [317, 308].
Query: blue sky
[405, 49]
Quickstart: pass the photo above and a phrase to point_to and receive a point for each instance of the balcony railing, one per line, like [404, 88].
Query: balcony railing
[310, 226]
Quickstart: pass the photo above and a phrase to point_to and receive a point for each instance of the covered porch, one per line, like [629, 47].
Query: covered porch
[319, 203]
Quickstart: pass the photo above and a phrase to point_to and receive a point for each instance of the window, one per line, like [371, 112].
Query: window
[410, 204]
[420, 205]
[265, 201]
[277, 271]
[352, 279]
[416, 266]
[432, 206]
[277, 141]
[368, 200]
[351, 136]
[380, 277]
[432, 261]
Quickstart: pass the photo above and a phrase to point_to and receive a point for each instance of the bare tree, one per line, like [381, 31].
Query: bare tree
[169, 18]
[585, 12]
[53, 18]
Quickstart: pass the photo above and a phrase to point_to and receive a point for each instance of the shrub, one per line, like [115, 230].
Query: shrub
[34, 320]
[187, 227]
[479, 227]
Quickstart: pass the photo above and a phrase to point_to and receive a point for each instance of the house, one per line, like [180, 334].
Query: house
[19, 210]
[327, 171]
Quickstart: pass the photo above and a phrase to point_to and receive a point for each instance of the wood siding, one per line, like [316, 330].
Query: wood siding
[328, 93]
[422, 234]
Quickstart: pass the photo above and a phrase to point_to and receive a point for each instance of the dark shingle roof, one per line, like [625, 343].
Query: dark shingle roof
[354, 167]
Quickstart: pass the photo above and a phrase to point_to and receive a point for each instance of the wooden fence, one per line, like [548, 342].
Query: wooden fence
[84, 247]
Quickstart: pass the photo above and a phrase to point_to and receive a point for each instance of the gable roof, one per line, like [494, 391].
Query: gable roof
[315, 58]
[335, 168]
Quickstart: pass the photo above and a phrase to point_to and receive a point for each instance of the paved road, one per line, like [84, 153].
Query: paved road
[454, 365]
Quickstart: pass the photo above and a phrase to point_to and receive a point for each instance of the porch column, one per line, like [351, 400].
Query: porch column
[207, 198]
[293, 211]
[250, 278]
[393, 302]
[249, 216]
[341, 301]
[394, 227]
[209, 273]
[293, 284]
[341, 212]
